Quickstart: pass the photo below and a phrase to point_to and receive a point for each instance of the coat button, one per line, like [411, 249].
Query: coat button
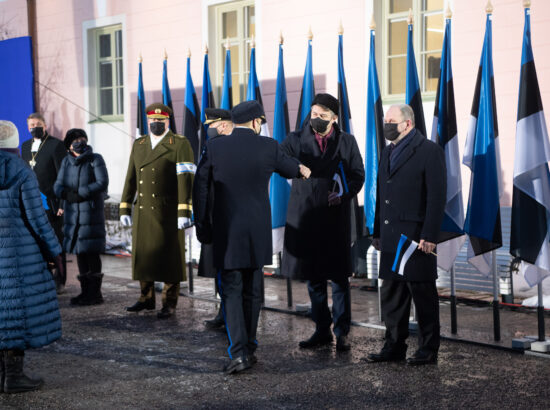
[153, 169]
[153, 207]
[386, 222]
[141, 169]
[153, 182]
[153, 195]
[388, 181]
[387, 201]
[141, 207]
[140, 194]
[141, 182]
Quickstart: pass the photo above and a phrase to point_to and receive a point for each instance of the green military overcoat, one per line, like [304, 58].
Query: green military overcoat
[159, 183]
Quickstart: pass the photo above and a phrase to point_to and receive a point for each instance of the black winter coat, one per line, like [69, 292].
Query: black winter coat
[240, 166]
[411, 201]
[84, 229]
[318, 237]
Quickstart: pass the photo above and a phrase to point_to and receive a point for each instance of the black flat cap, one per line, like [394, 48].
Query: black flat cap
[247, 111]
[216, 114]
[328, 101]
[73, 134]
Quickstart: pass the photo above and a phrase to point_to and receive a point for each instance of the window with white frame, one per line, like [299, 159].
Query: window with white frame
[234, 23]
[428, 31]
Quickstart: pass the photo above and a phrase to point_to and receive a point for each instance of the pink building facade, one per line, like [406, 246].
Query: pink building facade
[87, 51]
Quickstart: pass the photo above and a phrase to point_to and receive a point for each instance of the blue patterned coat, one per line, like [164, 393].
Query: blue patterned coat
[29, 314]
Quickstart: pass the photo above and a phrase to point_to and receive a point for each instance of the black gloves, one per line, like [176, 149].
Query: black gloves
[72, 197]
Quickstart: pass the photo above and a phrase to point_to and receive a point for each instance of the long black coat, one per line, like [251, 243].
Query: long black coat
[411, 201]
[239, 165]
[318, 237]
[84, 228]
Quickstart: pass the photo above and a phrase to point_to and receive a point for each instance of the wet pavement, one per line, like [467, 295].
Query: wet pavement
[109, 359]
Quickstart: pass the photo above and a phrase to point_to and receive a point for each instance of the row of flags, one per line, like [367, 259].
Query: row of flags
[530, 236]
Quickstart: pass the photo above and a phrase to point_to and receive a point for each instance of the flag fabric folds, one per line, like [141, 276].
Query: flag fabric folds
[481, 155]
[141, 127]
[191, 115]
[279, 188]
[413, 93]
[340, 184]
[405, 249]
[530, 235]
[444, 133]
[166, 96]
[308, 90]
[227, 89]
[253, 89]
[207, 100]
[374, 140]
[344, 113]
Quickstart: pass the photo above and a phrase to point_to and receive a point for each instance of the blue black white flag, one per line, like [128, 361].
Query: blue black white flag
[207, 100]
[481, 155]
[166, 96]
[344, 112]
[191, 115]
[141, 128]
[530, 236]
[405, 249]
[308, 91]
[227, 89]
[253, 89]
[413, 92]
[340, 183]
[444, 133]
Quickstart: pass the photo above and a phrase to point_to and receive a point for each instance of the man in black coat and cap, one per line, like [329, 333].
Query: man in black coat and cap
[240, 166]
[317, 245]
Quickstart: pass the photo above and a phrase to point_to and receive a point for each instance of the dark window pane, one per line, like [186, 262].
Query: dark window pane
[229, 24]
[398, 6]
[120, 101]
[118, 43]
[106, 102]
[119, 76]
[431, 71]
[105, 74]
[104, 45]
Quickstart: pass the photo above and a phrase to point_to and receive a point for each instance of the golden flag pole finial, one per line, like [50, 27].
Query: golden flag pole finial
[188, 52]
[410, 18]
[281, 38]
[526, 4]
[140, 58]
[310, 34]
[340, 29]
[165, 55]
[448, 12]
[227, 44]
[489, 7]
[372, 23]
[253, 42]
[205, 48]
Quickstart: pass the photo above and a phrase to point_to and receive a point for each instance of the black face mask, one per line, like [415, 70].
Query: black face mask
[390, 131]
[212, 132]
[79, 146]
[319, 125]
[37, 132]
[157, 128]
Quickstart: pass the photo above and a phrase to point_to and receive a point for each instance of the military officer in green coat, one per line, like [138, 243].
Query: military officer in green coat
[158, 185]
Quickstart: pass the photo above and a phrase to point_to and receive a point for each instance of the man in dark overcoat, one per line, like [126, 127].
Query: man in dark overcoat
[158, 184]
[411, 198]
[317, 244]
[240, 166]
[44, 153]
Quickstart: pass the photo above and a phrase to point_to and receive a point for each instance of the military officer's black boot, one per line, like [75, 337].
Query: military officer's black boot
[85, 289]
[15, 381]
[93, 296]
[217, 322]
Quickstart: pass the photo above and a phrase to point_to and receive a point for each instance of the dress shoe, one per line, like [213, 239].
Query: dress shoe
[317, 339]
[386, 355]
[215, 323]
[139, 306]
[422, 357]
[252, 359]
[165, 312]
[342, 344]
[236, 365]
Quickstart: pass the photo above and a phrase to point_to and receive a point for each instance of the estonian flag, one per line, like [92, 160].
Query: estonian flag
[413, 95]
[444, 133]
[279, 188]
[481, 155]
[308, 91]
[253, 89]
[405, 248]
[227, 90]
[530, 237]
[207, 99]
[340, 182]
[344, 113]
[141, 128]
[191, 116]
[166, 96]
[374, 141]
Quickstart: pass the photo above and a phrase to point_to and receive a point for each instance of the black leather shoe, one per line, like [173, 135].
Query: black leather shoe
[236, 365]
[386, 356]
[139, 306]
[317, 339]
[215, 323]
[422, 357]
[343, 344]
[165, 312]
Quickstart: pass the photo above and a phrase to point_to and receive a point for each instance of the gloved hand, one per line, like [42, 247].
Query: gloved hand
[73, 197]
[126, 220]
[184, 222]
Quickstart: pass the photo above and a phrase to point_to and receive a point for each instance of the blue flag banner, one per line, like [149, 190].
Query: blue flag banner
[227, 90]
[141, 127]
[191, 115]
[405, 249]
[530, 236]
[413, 93]
[17, 83]
[374, 139]
[279, 188]
[344, 114]
[444, 133]
[481, 155]
[207, 100]
[308, 91]
[253, 89]
[166, 96]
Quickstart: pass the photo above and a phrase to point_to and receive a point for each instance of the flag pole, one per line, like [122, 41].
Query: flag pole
[540, 314]
[496, 310]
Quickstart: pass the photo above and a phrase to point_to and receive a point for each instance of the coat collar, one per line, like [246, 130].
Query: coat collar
[307, 137]
[162, 147]
[409, 150]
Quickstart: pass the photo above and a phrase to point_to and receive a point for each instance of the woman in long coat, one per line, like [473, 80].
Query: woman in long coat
[29, 314]
[82, 182]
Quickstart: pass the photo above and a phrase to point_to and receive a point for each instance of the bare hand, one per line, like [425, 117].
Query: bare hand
[60, 212]
[425, 246]
[376, 243]
[334, 199]
[305, 171]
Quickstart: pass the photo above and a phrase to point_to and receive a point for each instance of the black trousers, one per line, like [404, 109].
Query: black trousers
[88, 263]
[241, 292]
[341, 306]
[396, 299]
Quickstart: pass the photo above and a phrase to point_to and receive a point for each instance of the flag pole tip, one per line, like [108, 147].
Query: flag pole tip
[489, 7]
[340, 28]
[372, 23]
[281, 38]
[410, 18]
[188, 52]
[526, 4]
[227, 44]
[205, 48]
[310, 34]
[253, 42]
[448, 12]
[165, 55]
[140, 58]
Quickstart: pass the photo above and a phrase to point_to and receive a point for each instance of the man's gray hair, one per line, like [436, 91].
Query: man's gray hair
[407, 112]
